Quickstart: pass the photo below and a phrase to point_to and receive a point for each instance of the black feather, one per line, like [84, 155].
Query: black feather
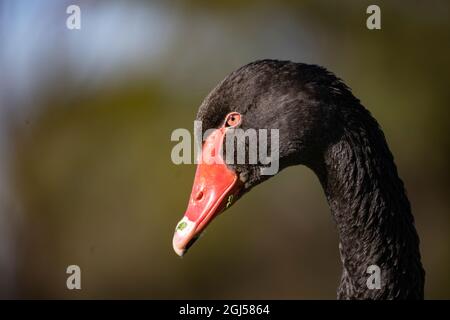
[323, 126]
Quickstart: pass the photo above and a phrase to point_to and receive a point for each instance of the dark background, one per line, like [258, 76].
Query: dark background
[86, 116]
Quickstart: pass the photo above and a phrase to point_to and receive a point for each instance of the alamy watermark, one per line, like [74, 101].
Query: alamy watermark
[373, 21]
[249, 146]
[374, 280]
[73, 21]
[73, 281]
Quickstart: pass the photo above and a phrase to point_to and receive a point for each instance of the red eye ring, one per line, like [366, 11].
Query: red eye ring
[233, 119]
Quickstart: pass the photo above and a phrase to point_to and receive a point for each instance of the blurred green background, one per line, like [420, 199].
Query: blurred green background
[86, 115]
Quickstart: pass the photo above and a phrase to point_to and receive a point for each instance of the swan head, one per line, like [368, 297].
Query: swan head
[260, 119]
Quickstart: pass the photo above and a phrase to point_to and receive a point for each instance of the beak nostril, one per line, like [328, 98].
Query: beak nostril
[199, 196]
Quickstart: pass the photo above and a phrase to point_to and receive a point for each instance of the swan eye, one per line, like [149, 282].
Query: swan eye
[233, 119]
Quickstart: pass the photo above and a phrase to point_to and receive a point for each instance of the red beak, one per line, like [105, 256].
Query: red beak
[215, 187]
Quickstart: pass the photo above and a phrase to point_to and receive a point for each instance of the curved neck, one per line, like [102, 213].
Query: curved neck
[373, 215]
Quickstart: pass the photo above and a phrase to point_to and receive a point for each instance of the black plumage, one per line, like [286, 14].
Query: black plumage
[323, 126]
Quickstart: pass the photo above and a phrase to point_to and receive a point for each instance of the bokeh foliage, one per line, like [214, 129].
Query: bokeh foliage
[94, 185]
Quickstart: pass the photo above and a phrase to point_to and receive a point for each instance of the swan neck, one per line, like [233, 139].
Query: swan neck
[373, 217]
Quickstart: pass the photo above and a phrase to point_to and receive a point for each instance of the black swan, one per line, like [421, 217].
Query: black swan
[324, 127]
